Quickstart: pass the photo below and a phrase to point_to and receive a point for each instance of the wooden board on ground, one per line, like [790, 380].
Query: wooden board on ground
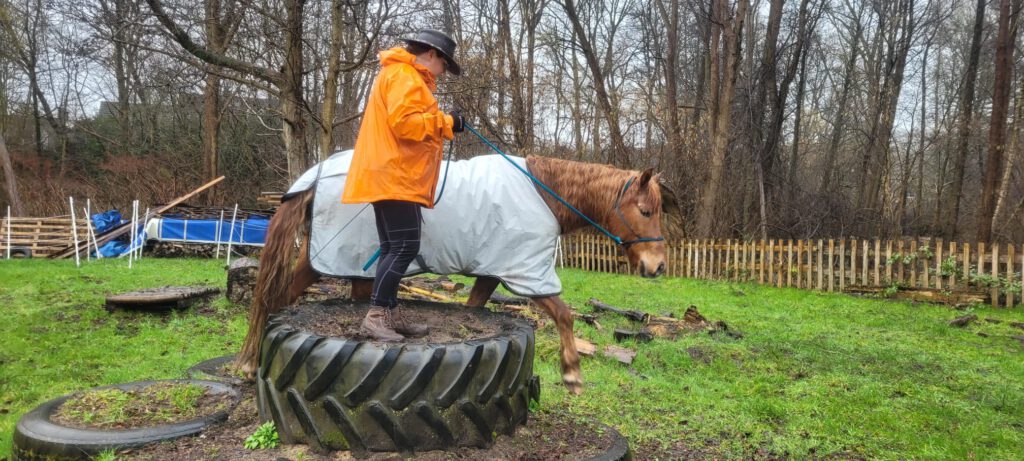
[584, 347]
[160, 299]
[621, 354]
[929, 295]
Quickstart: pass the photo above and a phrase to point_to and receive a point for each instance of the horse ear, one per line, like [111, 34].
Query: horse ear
[645, 177]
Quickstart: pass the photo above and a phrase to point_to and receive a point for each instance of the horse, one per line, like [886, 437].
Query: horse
[627, 203]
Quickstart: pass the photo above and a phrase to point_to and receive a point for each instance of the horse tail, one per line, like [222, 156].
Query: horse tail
[275, 274]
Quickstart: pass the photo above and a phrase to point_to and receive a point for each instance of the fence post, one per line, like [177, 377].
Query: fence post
[952, 274]
[938, 264]
[864, 266]
[965, 274]
[889, 258]
[994, 289]
[1010, 256]
[842, 264]
[789, 263]
[853, 262]
[981, 258]
[831, 264]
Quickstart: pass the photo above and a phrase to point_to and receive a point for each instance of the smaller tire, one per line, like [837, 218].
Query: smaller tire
[619, 451]
[37, 437]
[212, 370]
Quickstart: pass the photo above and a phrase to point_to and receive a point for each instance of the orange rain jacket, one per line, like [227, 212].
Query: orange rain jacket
[400, 143]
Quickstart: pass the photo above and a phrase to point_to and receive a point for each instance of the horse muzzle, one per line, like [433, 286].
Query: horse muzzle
[644, 272]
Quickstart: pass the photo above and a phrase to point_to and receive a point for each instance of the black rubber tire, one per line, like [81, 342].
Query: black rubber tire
[38, 438]
[341, 394]
[619, 451]
[211, 370]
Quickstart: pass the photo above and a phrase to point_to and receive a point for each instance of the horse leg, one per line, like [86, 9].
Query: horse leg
[302, 277]
[562, 316]
[481, 292]
[361, 289]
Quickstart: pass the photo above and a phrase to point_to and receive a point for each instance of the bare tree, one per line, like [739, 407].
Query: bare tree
[723, 83]
[1007, 38]
[611, 114]
[286, 83]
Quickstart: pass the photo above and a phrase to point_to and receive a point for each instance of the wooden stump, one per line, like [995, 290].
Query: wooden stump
[242, 279]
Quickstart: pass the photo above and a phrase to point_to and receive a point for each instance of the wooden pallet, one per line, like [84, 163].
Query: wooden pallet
[42, 236]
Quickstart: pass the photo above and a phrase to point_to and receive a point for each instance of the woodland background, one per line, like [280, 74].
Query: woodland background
[769, 119]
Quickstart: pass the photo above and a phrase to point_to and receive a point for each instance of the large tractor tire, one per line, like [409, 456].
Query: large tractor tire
[344, 394]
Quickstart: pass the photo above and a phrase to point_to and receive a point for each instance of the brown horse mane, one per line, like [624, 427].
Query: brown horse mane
[590, 187]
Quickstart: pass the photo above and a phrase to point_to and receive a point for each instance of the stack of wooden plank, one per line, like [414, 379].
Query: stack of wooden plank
[271, 199]
[41, 236]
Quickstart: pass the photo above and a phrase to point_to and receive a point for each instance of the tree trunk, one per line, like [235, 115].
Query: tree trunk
[952, 214]
[1000, 103]
[13, 195]
[330, 103]
[292, 100]
[211, 131]
[732, 33]
[670, 16]
[894, 60]
[1013, 152]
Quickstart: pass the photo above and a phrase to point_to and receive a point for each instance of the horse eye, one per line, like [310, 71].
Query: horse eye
[647, 214]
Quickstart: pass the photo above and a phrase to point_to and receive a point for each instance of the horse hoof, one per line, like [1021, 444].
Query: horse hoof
[574, 384]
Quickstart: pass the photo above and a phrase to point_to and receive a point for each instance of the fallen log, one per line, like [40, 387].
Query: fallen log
[963, 321]
[630, 314]
[642, 336]
[426, 293]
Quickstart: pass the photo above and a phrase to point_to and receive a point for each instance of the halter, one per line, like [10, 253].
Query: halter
[617, 207]
[618, 211]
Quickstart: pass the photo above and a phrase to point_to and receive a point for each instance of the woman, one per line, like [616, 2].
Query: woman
[396, 164]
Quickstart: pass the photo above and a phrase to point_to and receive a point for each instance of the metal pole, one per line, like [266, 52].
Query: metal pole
[131, 238]
[145, 221]
[74, 230]
[220, 224]
[8, 232]
[95, 244]
[88, 228]
[231, 236]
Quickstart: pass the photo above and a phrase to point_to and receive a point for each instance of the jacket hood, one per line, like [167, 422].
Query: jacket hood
[399, 55]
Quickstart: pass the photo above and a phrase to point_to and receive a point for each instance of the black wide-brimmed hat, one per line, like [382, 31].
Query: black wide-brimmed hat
[439, 41]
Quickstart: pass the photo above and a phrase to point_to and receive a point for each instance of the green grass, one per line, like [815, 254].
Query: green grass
[815, 375]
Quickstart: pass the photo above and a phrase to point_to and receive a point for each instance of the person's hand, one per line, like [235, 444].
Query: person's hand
[458, 122]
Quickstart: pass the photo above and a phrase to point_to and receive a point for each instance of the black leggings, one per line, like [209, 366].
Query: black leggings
[398, 227]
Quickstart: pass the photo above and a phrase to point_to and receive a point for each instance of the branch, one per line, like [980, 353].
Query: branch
[207, 55]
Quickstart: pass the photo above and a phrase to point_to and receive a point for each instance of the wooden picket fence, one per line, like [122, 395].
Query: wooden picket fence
[826, 265]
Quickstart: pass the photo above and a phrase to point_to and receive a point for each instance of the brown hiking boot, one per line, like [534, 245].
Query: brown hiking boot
[403, 325]
[377, 325]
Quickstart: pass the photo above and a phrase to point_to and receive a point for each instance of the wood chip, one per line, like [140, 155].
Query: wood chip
[585, 347]
[621, 354]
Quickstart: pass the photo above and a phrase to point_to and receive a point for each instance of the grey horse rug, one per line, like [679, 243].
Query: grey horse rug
[489, 221]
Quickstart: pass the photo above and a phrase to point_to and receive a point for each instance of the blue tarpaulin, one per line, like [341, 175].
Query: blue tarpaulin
[250, 231]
